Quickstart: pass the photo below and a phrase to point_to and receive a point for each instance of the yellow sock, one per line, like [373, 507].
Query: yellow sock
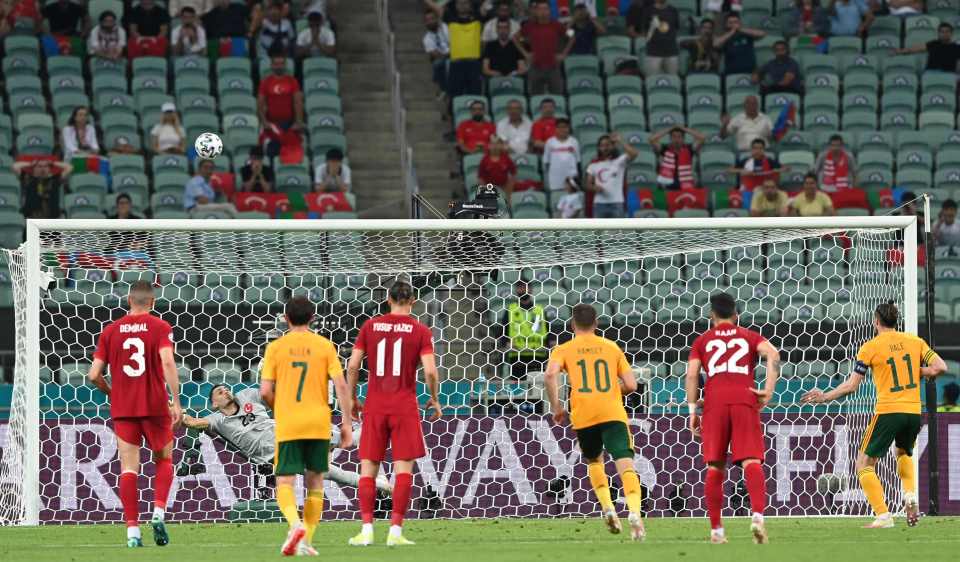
[600, 484]
[287, 501]
[312, 510]
[906, 473]
[872, 487]
[631, 489]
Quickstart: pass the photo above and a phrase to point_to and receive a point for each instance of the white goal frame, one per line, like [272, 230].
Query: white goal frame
[35, 276]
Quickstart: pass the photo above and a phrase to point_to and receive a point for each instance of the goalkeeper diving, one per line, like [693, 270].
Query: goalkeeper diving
[244, 422]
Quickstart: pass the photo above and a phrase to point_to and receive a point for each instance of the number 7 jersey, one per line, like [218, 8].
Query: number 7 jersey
[894, 359]
[394, 344]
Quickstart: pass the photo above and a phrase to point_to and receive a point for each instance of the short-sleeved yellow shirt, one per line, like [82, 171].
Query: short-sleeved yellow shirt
[593, 365]
[894, 360]
[301, 364]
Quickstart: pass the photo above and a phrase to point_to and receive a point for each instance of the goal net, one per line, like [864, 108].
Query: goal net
[809, 285]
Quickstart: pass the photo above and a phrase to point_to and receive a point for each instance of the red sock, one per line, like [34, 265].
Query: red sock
[129, 498]
[401, 497]
[162, 482]
[366, 493]
[714, 493]
[756, 486]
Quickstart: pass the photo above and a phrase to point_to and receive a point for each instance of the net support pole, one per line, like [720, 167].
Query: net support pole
[930, 384]
[910, 297]
[31, 464]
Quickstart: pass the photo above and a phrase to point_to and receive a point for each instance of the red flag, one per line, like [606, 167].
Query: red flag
[144, 46]
[269, 203]
[327, 202]
[686, 199]
[850, 198]
[224, 182]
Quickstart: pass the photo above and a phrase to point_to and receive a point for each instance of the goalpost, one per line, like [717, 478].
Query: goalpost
[808, 284]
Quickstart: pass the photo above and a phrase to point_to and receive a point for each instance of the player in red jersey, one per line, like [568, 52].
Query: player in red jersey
[731, 408]
[138, 348]
[395, 345]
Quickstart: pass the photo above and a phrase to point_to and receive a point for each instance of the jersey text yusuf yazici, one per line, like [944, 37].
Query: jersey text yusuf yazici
[394, 344]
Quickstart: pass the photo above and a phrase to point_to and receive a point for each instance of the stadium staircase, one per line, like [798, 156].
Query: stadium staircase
[368, 115]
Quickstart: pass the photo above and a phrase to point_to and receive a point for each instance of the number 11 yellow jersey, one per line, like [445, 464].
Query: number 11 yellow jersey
[894, 360]
[301, 364]
[593, 365]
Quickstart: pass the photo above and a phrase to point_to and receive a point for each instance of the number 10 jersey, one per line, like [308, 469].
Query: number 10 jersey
[593, 365]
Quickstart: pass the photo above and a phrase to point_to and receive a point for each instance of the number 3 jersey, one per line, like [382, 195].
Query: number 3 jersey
[593, 365]
[728, 354]
[895, 358]
[301, 364]
[394, 344]
[131, 348]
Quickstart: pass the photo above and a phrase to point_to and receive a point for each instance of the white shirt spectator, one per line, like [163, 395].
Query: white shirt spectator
[570, 205]
[608, 176]
[167, 136]
[317, 6]
[947, 234]
[438, 40]
[271, 32]
[71, 142]
[198, 48]
[490, 30]
[201, 6]
[560, 157]
[746, 129]
[327, 39]
[517, 136]
[100, 40]
[320, 173]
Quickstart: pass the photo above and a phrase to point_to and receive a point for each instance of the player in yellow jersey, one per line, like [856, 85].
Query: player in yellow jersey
[896, 360]
[599, 376]
[293, 382]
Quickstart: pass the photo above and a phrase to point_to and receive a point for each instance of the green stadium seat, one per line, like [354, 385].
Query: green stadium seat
[816, 63]
[948, 178]
[859, 121]
[97, 66]
[35, 141]
[611, 60]
[948, 157]
[265, 66]
[875, 140]
[914, 179]
[61, 64]
[702, 84]
[66, 83]
[821, 121]
[25, 85]
[150, 65]
[88, 183]
[323, 103]
[321, 143]
[83, 202]
[913, 140]
[860, 101]
[881, 44]
[97, 7]
[191, 84]
[875, 178]
[236, 66]
[319, 66]
[21, 65]
[120, 163]
[825, 82]
[938, 83]
[190, 66]
[942, 120]
[914, 159]
[938, 101]
[661, 84]
[898, 121]
[584, 85]
[858, 65]
[734, 101]
[67, 102]
[861, 84]
[584, 120]
[821, 101]
[235, 84]
[840, 46]
[613, 44]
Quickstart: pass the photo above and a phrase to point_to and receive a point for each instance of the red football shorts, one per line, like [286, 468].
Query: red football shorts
[735, 427]
[402, 433]
[157, 430]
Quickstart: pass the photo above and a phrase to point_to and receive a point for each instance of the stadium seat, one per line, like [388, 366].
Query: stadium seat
[875, 140]
[60, 65]
[866, 83]
[238, 103]
[882, 45]
[943, 120]
[575, 65]
[914, 179]
[319, 66]
[898, 121]
[875, 178]
[235, 85]
[21, 65]
[858, 65]
[826, 82]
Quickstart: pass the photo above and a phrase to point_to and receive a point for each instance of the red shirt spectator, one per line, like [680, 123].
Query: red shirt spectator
[497, 168]
[279, 92]
[542, 130]
[475, 134]
[544, 40]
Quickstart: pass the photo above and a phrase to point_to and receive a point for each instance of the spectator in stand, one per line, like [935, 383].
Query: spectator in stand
[200, 197]
[464, 73]
[147, 19]
[634, 17]
[570, 206]
[835, 166]
[951, 393]
[276, 32]
[255, 176]
[279, 98]
[943, 55]
[200, 6]
[946, 231]
[660, 24]
[333, 175]
[781, 74]
[501, 57]
[64, 17]
[107, 40]
[231, 19]
[79, 137]
[188, 38]
[317, 40]
[810, 202]
[758, 167]
[498, 168]
[504, 12]
[21, 10]
[748, 125]
[850, 17]
[806, 18]
[771, 201]
[168, 136]
[474, 134]
[124, 207]
[585, 29]
[543, 37]
[42, 187]
[326, 7]
[739, 56]
[901, 8]
[676, 158]
[545, 126]
[515, 128]
[704, 56]
[436, 42]
[606, 174]
[561, 157]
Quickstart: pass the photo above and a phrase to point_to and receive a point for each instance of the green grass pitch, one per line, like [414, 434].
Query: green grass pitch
[580, 540]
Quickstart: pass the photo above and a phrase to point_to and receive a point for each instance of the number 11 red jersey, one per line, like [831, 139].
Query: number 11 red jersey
[393, 344]
[728, 354]
[131, 348]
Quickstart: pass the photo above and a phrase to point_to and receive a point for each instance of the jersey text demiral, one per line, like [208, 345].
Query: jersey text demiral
[394, 344]
[131, 348]
[250, 431]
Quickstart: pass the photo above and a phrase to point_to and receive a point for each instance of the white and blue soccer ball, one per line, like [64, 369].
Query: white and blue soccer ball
[208, 145]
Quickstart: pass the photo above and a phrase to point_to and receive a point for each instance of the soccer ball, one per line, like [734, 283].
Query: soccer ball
[208, 146]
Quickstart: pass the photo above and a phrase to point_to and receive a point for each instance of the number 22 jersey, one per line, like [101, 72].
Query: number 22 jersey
[131, 348]
[728, 354]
